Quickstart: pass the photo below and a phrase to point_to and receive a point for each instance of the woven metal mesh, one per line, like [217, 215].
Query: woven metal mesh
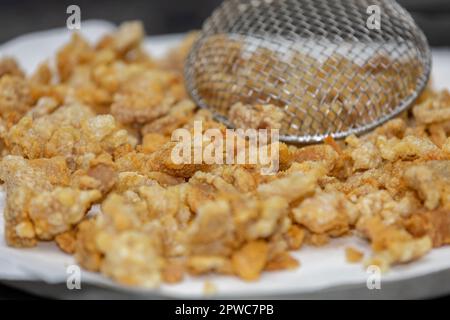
[315, 60]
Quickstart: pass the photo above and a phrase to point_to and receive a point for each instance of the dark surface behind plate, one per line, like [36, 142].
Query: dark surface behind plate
[8, 293]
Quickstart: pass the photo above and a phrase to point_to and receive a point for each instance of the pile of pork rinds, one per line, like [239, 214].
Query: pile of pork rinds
[94, 128]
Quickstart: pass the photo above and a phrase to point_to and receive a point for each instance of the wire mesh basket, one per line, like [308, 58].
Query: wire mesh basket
[317, 61]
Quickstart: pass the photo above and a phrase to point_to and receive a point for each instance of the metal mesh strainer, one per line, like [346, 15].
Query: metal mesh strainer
[316, 60]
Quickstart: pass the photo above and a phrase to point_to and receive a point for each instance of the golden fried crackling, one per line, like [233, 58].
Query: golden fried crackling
[325, 213]
[433, 110]
[9, 66]
[292, 187]
[71, 130]
[66, 241]
[15, 98]
[431, 181]
[256, 117]
[249, 261]
[31, 188]
[435, 224]
[86, 162]
[87, 253]
[179, 115]
[143, 98]
[282, 261]
[392, 244]
[54, 212]
[353, 255]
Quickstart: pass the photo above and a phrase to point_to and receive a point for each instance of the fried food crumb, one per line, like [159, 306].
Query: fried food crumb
[282, 261]
[353, 255]
[66, 241]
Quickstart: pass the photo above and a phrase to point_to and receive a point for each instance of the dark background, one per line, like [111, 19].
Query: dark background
[171, 16]
[168, 16]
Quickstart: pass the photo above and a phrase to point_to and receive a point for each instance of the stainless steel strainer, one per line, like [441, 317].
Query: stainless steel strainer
[316, 60]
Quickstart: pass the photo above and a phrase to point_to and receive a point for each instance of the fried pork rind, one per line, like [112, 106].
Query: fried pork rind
[431, 180]
[381, 204]
[144, 97]
[365, 154]
[66, 241]
[410, 147]
[392, 244]
[162, 161]
[151, 142]
[325, 213]
[282, 261]
[292, 187]
[434, 110]
[9, 66]
[128, 36]
[56, 211]
[139, 261]
[98, 129]
[435, 224]
[87, 253]
[136, 263]
[105, 175]
[95, 172]
[353, 255]
[23, 181]
[179, 115]
[256, 117]
[295, 237]
[250, 260]
[43, 75]
[253, 220]
[15, 98]
[212, 229]
[36, 208]
[422, 179]
[77, 51]
[44, 106]
[71, 130]
[318, 153]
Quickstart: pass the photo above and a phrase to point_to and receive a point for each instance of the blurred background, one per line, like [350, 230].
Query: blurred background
[172, 16]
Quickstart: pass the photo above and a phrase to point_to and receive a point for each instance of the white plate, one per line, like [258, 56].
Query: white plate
[323, 272]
